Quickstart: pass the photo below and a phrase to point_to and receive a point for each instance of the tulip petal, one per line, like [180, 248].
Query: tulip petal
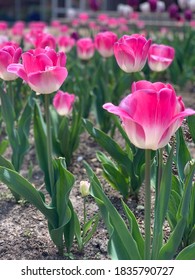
[18, 69]
[48, 81]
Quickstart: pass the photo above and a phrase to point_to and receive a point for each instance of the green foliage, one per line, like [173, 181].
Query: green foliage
[125, 169]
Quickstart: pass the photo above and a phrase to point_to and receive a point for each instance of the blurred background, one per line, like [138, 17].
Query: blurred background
[47, 10]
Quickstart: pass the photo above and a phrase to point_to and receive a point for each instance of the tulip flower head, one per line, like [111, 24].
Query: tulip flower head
[8, 55]
[63, 102]
[160, 57]
[65, 43]
[85, 48]
[42, 69]
[131, 52]
[151, 114]
[104, 42]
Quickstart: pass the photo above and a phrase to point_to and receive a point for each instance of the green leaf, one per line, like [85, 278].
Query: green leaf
[90, 228]
[134, 229]
[40, 144]
[6, 163]
[109, 145]
[64, 183]
[191, 125]
[3, 146]
[182, 153]
[26, 190]
[161, 206]
[170, 248]
[121, 243]
[187, 253]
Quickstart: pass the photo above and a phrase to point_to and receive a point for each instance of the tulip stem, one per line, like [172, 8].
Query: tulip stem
[49, 144]
[147, 215]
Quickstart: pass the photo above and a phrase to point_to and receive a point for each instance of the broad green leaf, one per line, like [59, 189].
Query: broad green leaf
[26, 190]
[116, 179]
[63, 185]
[170, 248]
[161, 206]
[40, 144]
[187, 253]
[6, 163]
[121, 243]
[108, 144]
[134, 229]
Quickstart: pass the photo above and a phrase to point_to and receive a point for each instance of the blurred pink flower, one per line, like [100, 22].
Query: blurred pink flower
[104, 42]
[3, 27]
[131, 52]
[8, 55]
[160, 57]
[65, 43]
[63, 102]
[43, 69]
[151, 114]
[85, 48]
[43, 40]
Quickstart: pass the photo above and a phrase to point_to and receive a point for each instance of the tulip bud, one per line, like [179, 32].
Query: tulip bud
[188, 166]
[84, 188]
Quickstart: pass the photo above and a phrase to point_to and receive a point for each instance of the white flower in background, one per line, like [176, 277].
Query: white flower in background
[160, 6]
[183, 4]
[144, 7]
[124, 10]
[191, 5]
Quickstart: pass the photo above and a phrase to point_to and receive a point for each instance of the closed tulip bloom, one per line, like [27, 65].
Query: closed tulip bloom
[151, 114]
[65, 43]
[160, 57]
[63, 102]
[43, 69]
[8, 55]
[85, 48]
[131, 52]
[104, 42]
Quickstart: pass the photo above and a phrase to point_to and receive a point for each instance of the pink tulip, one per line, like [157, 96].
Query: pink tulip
[63, 102]
[151, 114]
[160, 57]
[85, 48]
[65, 43]
[131, 52]
[43, 69]
[8, 55]
[44, 40]
[104, 42]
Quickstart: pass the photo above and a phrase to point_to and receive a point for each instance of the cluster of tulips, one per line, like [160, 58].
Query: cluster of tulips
[35, 88]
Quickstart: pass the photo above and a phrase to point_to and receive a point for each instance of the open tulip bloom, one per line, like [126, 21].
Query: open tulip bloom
[42, 69]
[151, 114]
[160, 57]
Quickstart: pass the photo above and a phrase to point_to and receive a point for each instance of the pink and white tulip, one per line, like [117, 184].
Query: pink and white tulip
[65, 43]
[8, 55]
[160, 57]
[63, 102]
[104, 42]
[151, 114]
[131, 52]
[43, 69]
[85, 48]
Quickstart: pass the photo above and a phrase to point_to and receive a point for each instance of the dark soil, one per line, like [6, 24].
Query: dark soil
[23, 229]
